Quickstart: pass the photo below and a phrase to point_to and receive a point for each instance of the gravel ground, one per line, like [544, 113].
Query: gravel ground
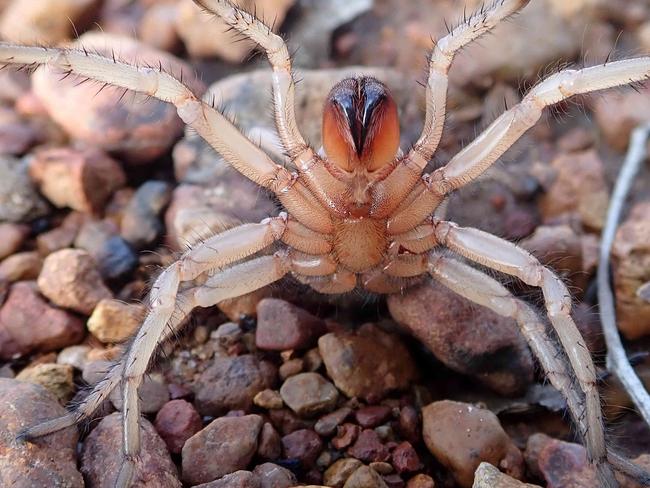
[284, 387]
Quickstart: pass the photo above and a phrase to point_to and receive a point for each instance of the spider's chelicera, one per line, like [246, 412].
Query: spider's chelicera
[357, 214]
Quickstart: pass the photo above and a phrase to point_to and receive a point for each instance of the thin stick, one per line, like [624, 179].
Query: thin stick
[617, 361]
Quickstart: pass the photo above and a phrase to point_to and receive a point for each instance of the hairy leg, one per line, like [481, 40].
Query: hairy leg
[506, 257]
[232, 282]
[442, 55]
[478, 156]
[484, 290]
[218, 131]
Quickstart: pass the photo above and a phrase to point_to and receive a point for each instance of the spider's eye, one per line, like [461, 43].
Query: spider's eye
[360, 124]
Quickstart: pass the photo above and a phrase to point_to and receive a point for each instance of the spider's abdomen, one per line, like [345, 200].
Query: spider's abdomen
[360, 244]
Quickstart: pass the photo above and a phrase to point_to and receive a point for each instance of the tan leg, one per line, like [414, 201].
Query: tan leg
[475, 158]
[486, 291]
[442, 55]
[506, 257]
[233, 282]
[278, 55]
[218, 131]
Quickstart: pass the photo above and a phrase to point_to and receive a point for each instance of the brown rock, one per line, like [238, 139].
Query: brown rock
[405, 459]
[421, 481]
[48, 462]
[208, 37]
[274, 476]
[290, 368]
[368, 447]
[139, 131]
[282, 326]
[11, 238]
[21, 266]
[327, 424]
[287, 422]
[176, 422]
[45, 23]
[579, 189]
[115, 321]
[309, 394]
[231, 383]
[231, 440]
[238, 479]
[346, 434]
[101, 456]
[461, 436]
[28, 323]
[365, 477]
[338, 473]
[269, 443]
[409, 423]
[81, 179]
[465, 337]
[269, 399]
[70, 279]
[631, 260]
[373, 415]
[62, 236]
[304, 445]
[487, 476]
[56, 378]
[367, 363]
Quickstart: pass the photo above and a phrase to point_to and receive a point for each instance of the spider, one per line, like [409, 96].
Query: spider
[358, 213]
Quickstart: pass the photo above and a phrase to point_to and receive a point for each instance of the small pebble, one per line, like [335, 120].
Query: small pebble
[369, 448]
[113, 255]
[70, 279]
[405, 459]
[346, 434]
[74, 356]
[57, 378]
[274, 476]
[12, 237]
[372, 416]
[153, 394]
[338, 473]
[176, 422]
[282, 326]
[421, 481]
[21, 266]
[268, 399]
[327, 424]
[364, 477]
[269, 443]
[141, 224]
[309, 394]
[115, 321]
[19, 201]
[290, 368]
[304, 445]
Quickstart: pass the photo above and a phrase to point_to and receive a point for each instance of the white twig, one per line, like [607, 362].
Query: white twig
[617, 361]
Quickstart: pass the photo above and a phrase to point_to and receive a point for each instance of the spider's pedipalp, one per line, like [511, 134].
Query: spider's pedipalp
[490, 145]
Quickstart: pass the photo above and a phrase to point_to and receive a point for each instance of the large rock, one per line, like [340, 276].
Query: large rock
[135, 127]
[226, 445]
[309, 394]
[49, 461]
[465, 337]
[461, 436]
[101, 456]
[368, 363]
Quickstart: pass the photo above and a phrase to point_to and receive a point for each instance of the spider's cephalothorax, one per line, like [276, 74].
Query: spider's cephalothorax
[360, 214]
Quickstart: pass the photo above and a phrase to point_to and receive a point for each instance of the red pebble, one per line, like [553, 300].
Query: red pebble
[369, 448]
[372, 416]
[176, 422]
[405, 459]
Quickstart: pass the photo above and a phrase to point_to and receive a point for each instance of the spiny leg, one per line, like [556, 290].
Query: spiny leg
[232, 282]
[442, 55]
[504, 256]
[218, 131]
[484, 290]
[278, 55]
[478, 156]
[215, 252]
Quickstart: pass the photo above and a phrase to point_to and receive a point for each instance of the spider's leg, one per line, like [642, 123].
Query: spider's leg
[215, 252]
[278, 55]
[216, 129]
[478, 156]
[230, 283]
[504, 256]
[442, 55]
[486, 291]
